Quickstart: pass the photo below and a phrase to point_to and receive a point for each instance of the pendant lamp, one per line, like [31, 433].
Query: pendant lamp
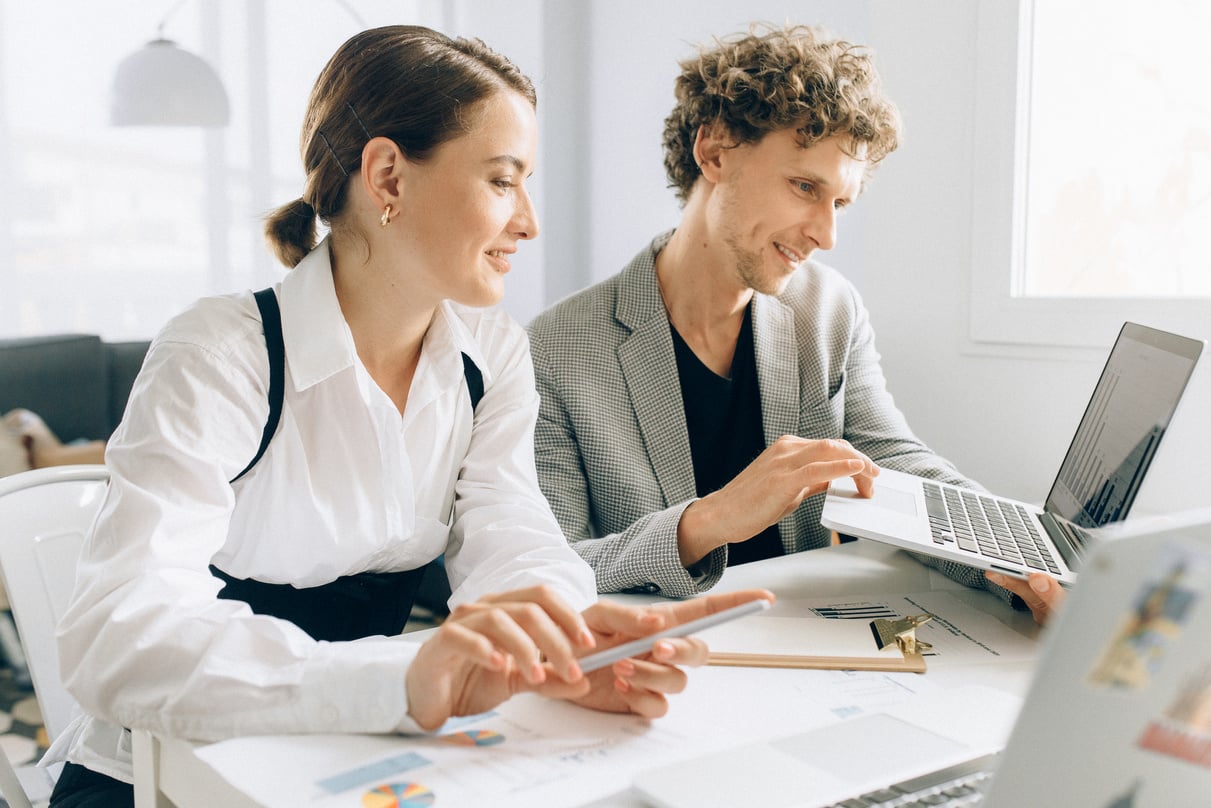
[164, 85]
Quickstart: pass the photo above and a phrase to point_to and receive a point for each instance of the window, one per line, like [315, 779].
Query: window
[113, 230]
[1094, 183]
[100, 227]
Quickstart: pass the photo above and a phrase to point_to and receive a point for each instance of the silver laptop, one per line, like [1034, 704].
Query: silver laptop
[1118, 712]
[1132, 404]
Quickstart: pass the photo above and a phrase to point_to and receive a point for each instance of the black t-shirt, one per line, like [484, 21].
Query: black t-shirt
[723, 417]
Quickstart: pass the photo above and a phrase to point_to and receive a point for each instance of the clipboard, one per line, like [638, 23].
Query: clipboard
[806, 642]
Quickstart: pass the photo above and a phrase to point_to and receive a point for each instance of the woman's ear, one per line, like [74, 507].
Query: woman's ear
[382, 172]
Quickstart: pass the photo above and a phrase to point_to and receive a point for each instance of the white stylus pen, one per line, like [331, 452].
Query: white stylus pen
[635, 647]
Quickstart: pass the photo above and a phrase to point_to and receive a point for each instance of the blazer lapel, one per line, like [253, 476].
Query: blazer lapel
[649, 367]
[777, 357]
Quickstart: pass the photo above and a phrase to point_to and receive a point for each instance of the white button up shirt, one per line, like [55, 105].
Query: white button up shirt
[347, 485]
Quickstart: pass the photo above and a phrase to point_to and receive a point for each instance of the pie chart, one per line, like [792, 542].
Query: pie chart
[398, 795]
[474, 737]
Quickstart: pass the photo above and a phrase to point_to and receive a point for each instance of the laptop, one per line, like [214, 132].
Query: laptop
[1118, 712]
[1132, 405]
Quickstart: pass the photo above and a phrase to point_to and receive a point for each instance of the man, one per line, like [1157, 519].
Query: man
[695, 404]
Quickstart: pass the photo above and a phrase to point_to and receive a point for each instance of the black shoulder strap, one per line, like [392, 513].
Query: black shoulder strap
[271, 319]
[475, 381]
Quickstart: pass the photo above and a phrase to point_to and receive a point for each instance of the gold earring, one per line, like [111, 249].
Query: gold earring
[386, 217]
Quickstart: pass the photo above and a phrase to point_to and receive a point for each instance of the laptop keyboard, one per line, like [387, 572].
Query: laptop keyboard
[953, 787]
[986, 526]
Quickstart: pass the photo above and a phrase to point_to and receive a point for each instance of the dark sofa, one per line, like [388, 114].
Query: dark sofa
[77, 383]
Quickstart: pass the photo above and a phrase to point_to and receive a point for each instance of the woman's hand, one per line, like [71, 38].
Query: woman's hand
[529, 640]
[641, 685]
[486, 651]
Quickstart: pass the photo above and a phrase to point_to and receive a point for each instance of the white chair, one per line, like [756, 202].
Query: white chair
[44, 516]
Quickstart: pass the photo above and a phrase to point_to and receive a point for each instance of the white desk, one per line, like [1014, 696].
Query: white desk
[194, 775]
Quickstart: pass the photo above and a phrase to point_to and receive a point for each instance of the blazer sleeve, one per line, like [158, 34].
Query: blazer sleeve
[642, 556]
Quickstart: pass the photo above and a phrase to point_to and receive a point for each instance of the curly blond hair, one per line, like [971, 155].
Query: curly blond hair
[774, 78]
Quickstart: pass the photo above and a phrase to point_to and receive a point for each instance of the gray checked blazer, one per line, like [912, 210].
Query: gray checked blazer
[611, 445]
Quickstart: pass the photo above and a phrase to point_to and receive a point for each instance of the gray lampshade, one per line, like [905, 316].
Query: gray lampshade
[163, 85]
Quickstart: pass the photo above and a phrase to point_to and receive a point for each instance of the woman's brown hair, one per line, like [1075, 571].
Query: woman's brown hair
[408, 83]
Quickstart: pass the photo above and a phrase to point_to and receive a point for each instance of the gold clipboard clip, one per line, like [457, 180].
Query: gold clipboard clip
[902, 631]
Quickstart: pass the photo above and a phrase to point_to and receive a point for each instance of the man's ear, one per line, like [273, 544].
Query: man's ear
[383, 171]
[710, 143]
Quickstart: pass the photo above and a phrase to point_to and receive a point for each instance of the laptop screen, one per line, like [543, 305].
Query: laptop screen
[1134, 400]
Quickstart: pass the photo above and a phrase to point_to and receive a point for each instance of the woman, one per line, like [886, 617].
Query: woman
[405, 431]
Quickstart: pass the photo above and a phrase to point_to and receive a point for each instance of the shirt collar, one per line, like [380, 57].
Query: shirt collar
[311, 315]
[449, 337]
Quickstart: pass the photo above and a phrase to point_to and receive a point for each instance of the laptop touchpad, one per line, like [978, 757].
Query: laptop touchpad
[893, 500]
[891, 496]
[855, 750]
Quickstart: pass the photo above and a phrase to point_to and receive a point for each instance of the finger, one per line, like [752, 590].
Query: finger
[439, 671]
[1049, 592]
[653, 675]
[820, 473]
[690, 651]
[824, 470]
[456, 641]
[549, 636]
[810, 491]
[820, 488]
[552, 625]
[1039, 603]
[865, 483]
[556, 688]
[565, 616]
[1018, 586]
[640, 700]
[869, 468]
[686, 610]
[836, 449]
[610, 618]
[832, 447]
[526, 632]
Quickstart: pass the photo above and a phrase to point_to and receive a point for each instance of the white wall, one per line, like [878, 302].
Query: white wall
[1004, 417]
[632, 71]
[604, 71]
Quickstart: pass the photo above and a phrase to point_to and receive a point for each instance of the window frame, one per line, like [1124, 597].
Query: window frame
[999, 317]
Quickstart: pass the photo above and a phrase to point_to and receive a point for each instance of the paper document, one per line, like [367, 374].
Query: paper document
[804, 642]
[532, 752]
[537, 751]
[958, 632]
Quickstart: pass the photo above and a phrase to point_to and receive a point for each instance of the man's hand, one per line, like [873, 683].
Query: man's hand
[1042, 593]
[772, 486]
